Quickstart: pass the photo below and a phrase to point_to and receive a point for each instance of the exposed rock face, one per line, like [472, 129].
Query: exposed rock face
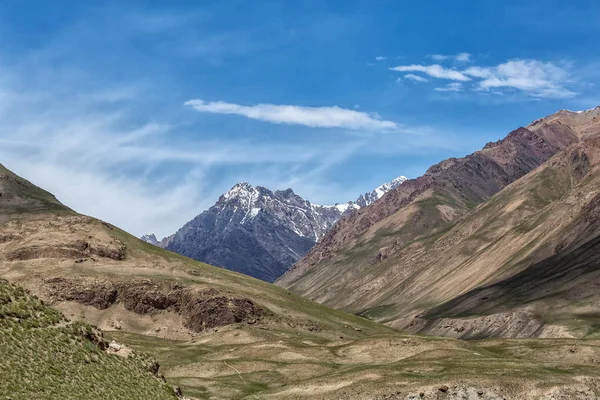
[258, 232]
[76, 249]
[206, 313]
[442, 392]
[201, 310]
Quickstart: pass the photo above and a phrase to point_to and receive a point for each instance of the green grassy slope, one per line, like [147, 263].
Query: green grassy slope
[45, 357]
[18, 195]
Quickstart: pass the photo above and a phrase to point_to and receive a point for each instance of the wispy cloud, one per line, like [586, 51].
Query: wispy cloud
[105, 151]
[323, 117]
[416, 78]
[380, 58]
[533, 78]
[451, 87]
[435, 71]
[460, 57]
[537, 78]
[138, 175]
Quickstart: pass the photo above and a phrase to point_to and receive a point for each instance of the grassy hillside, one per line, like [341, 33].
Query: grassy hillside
[45, 357]
[18, 195]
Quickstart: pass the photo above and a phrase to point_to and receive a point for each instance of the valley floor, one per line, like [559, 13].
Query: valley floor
[254, 363]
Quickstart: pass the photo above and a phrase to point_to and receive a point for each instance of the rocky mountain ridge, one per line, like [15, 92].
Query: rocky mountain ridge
[501, 216]
[259, 232]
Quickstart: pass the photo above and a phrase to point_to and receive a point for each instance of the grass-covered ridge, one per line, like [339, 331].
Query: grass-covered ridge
[46, 357]
[18, 196]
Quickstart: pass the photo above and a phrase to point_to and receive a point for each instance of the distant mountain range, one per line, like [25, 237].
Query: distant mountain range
[258, 232]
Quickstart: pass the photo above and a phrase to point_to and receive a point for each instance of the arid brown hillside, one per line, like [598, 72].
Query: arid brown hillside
[446, 233]
[221, 335]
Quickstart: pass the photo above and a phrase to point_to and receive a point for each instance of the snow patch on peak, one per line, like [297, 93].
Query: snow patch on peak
[386, 187]
[369, 198]
[346, 206]
[242, 189]
[342, 208]
[583, 111]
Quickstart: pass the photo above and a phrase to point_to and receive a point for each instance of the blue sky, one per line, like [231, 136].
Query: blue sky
[142, 113]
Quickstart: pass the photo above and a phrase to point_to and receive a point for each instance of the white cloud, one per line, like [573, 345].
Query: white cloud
[380, 58]
[435, 71]
[532, 77]
[451, 87]
[460, 57]
[538, 79]
[139, 176]
[322, 117]
[416, 78]
[463, 57]
[438, 57]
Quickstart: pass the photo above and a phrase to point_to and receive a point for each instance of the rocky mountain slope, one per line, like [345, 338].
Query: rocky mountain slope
[222, 335]
[258, 232]
[446, 233]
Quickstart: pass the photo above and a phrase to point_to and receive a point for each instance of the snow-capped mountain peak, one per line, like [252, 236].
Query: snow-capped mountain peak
[242, 190]
[369, 198]
[256, 231]
[150, 238]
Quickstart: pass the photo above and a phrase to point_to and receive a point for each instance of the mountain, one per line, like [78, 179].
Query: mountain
[222, 335]
[258, 232]
[424, 256]
[150, 238]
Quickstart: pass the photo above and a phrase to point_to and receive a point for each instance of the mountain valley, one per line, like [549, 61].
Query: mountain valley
[217, 334]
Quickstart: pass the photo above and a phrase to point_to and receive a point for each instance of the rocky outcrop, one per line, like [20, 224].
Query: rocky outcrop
[206, 313]
[201, 310]
[442, 392]
[76, 249]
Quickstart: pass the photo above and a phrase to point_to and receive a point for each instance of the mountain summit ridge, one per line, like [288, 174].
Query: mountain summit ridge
[259, 232]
